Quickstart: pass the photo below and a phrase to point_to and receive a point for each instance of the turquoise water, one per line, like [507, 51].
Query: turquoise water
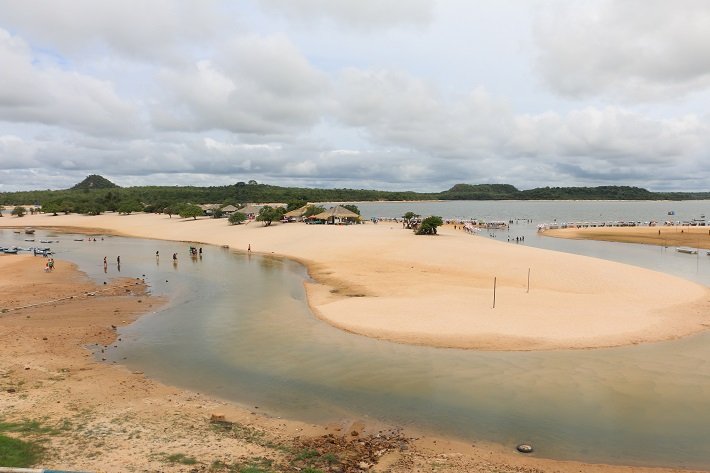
[238, 327]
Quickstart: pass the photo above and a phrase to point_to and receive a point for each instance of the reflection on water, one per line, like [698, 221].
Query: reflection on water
[238, 327]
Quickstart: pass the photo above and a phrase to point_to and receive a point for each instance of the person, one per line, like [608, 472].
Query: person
[118, 260]
[200, 251]
[175, 257]
[157, 254]
[50, 263]
[105, 262]
[249, 247]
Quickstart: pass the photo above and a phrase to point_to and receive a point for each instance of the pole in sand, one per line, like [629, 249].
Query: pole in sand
[494, 292]
[528, 280]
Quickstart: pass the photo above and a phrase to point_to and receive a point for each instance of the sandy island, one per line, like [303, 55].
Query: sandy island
[103, 417]
[382, 281]
[694, 237]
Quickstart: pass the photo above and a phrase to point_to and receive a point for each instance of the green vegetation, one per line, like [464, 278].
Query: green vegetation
[18, 453]
[268, 214]
[95, 181]
[22, 452]
[409, 218]
[18, 211]
[180, 458]
[236, 218]
[428, 225]
[95, 195]
[190, 210]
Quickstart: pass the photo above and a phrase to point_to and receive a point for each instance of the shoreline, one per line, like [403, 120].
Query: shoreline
[464, 454]
[667, 236]
[383, 282]
[118, 420]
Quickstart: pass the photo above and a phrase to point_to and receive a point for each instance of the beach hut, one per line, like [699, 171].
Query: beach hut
[228, 209]
[250, 210]
[297, 214]
[338, 212]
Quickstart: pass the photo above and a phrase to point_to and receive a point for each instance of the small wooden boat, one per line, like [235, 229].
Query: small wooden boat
[687, 250]
[10, 251]
[29, 231]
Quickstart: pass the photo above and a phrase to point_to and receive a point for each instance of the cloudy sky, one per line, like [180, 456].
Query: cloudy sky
[385, 94]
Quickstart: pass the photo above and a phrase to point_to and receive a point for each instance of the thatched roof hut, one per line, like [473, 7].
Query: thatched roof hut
[297, 213]
[338, 212]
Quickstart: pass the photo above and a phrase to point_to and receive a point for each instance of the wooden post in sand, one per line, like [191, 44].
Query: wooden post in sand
[528, 281]
[494, 292]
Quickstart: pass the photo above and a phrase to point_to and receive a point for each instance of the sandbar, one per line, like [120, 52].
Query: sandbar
[382, 281]
[695, 237]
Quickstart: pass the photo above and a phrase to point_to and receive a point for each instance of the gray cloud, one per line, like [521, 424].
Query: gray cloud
[633, 50]
[49, 95]
[361, 14]
[158, 29]
[164, 101]
[256, 85]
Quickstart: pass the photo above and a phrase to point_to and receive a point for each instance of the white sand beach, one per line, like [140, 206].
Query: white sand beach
[382, 281]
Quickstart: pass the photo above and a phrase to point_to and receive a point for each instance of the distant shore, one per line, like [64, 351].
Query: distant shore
[694, 237]
[385, 282]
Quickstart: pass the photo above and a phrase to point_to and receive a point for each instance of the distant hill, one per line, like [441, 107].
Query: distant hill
[480, 192]
[95, 181]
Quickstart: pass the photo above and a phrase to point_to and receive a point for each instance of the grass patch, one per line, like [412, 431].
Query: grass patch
[180, 458]
[27, 427]
[18, 453]
[255, 465]
[307, 454]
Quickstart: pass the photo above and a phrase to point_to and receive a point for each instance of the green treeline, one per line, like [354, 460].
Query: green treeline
[96, 194]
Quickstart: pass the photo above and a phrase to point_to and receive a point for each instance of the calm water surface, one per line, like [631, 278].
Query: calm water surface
[238, 327]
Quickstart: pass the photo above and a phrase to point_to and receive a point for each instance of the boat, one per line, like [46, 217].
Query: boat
[687, 250]
[29, 231]
[10, 251]
[671, 212]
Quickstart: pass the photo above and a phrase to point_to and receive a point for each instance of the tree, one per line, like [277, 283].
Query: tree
[252, 182]
[19, 211]
[314, 210]
[51, 207]
[295, 204]
[130, 206]
[409, 218]
[268, 214]
[428, 225]
[190, 210]
[217, 213]
[352, 208]
[236, 218]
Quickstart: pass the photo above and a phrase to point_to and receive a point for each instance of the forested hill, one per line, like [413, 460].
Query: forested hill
[97, 194]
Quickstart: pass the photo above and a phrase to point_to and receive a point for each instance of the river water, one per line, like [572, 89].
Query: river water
[238, 327]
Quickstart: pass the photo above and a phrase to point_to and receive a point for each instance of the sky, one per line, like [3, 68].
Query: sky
[367, 94]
